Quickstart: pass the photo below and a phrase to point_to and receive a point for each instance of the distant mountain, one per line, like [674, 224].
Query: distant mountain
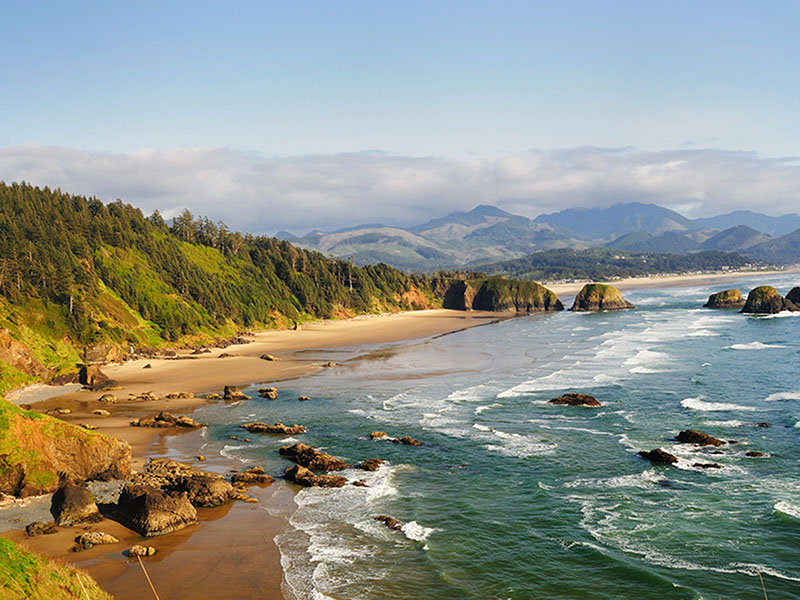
[641, 241]
[612, 222]
[487, 234]
[735, 239]
[774, 226]
[484, 234]
[781, 250]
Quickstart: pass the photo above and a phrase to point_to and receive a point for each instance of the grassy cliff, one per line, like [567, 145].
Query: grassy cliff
[25, 575]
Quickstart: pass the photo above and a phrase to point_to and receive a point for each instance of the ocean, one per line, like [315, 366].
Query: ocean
[514, 498]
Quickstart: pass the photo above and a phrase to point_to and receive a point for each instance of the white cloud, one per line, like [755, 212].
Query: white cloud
[254, 193]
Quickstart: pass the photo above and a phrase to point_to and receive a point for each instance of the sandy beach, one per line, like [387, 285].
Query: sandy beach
[231, 552]
[572, 288]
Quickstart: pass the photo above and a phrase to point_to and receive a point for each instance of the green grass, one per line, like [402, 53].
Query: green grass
[11, 378]
[24, 574]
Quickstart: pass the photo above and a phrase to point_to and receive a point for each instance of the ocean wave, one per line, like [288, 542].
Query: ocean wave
[514, 444]
[485, 407]
[753, 346]
[783, 396]
[785, 508]
[416, 532]
[644, 480]
[781, 315]
[702, 333]
[702, 405]
[645, 371]
[731, 423]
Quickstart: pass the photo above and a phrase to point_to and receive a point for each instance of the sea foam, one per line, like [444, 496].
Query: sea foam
[702, 405]
[783, 396]
[753, 346]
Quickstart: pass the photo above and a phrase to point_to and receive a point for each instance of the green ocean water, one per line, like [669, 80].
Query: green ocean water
[513, 498]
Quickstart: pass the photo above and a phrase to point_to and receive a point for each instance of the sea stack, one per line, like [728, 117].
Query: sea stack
[725, 299]
[794, 296]
[599, 296]
[767, 300]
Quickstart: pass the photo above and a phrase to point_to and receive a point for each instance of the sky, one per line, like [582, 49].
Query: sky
[311, 115]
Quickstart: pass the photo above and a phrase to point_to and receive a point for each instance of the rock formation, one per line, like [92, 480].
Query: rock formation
[137, 550]
[725, 299]
[372, 464]
[73, 504]
[794, 296]
[599, 296]
[151, 511]
[691, 436]
[94, 538]
[165, 419]
[407, 440]
[252, 475]
[302, 476]
[311, 458]
[767, 300]
[202, 488]
[572, 399]
[659, 456]
[269, 393]
[231, 392]
[276, 428]
[501, 295]
[390, 522]
[19, 356]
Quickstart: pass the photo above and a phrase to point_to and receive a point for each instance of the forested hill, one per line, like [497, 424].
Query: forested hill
[75, 271]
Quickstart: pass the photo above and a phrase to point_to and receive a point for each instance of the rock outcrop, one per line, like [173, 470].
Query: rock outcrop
[166, 419]
[572, 399]
[41, 453]
[94, 538]
[39, 528]
[311, 458]
[202, 488]
[725, 299]
[253, 475]
[152, 511]
[19, 356]
[276, 428]
[659, 456]
[794, 296]
[599, 296]
[232, 392]
[767, 300]
[73, 504]
[372, 464]
[270, 393]
[303, 476]
[498, 294]
[390, 522]
[691, 436]
[406, 440]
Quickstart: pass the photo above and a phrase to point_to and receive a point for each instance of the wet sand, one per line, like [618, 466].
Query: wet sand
[231, 553]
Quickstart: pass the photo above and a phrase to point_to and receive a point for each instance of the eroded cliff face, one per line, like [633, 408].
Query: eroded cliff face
[599, 296]
[19, 356]
[38, 452]
[497, 294]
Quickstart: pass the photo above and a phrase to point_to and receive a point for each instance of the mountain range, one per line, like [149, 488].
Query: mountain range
[487, 234]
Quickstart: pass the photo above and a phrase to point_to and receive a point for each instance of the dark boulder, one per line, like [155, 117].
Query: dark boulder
[794, 296]
[754, 454]
[767, 300]
[74, 504]
[152, 511]
[279, 428]
[725, 299]
[390, 522]
[311, 458]
[407, 440]
[232, 392]
[691, 436]
[659, 456]
[573, 399]
[698, 465]
[302, 476]
[39, 528]
[372, 464]
[599, 296]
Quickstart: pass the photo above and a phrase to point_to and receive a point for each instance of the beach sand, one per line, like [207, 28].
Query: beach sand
[572, 288]
[231, 552]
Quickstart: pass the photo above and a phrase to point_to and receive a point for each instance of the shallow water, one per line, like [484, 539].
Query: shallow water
[511, 497]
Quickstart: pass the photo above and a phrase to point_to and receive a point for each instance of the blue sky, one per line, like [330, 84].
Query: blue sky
[457, 81]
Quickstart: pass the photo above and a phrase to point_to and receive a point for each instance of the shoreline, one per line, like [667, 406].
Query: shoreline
[233, 545]
[678, 280]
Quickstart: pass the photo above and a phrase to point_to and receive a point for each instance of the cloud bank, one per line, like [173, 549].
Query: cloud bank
[261, 194]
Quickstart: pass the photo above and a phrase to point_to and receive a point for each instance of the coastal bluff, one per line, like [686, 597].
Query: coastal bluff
[39, 453]
[497, 294]
[600, 296]
[766, 300]
[725, 299]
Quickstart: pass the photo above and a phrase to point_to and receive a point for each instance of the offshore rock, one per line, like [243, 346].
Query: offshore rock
[311, 458]
[659, 456]
[276, 428]
[794, 296]
[390, 522]
[767, 300]
[498, 294]
[599, 296]
[725, 299]
[407, 440]
[372, 464]
[270, 393]
[302, 476]
[573, 399]
[232, 392]
[691, 436]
